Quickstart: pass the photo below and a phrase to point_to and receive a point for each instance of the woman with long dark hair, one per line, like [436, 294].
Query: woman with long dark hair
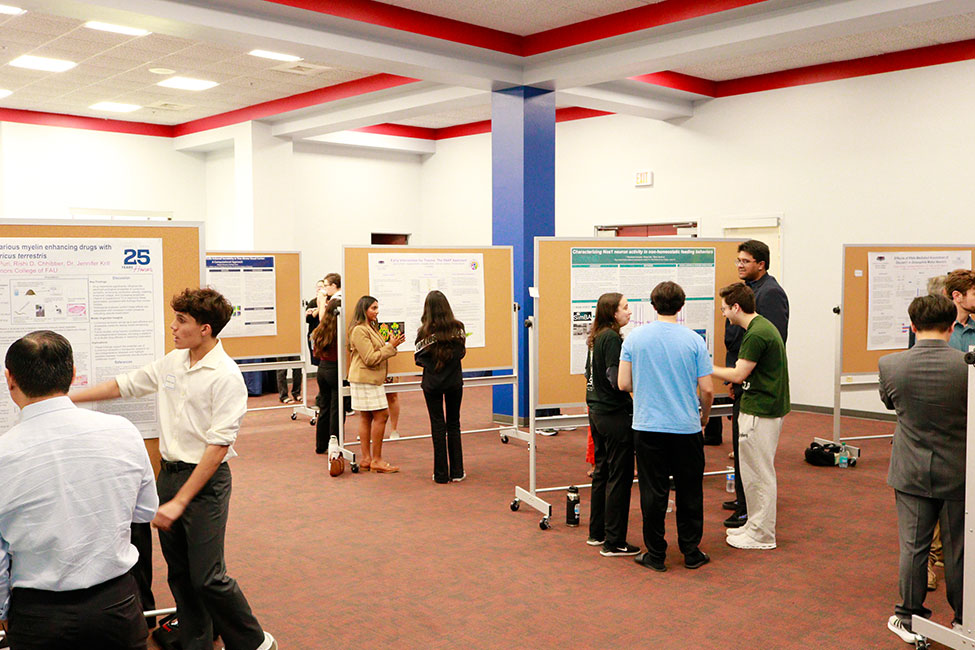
[611, 424]
[367, 374]
[440, 345]
[324, 344]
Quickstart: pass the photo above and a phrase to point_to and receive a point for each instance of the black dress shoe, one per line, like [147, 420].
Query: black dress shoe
[730, 505]
[736, 520]
[696, 559]
[644, 559]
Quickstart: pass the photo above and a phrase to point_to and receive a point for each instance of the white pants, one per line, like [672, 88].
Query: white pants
[758, 439]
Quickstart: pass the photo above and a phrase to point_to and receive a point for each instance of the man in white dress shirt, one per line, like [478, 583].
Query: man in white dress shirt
[73, 483]
[202, 400]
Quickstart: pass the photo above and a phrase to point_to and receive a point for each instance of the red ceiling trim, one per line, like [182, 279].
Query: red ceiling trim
[571, 113]
[679, 81]
[86, 123]
[627, 22]
[294, 102]
[460, 130]
[400, 130]
[416, 22]
[892, 62]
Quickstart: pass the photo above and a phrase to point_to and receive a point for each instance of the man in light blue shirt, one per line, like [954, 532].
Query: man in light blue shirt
[668, 369]
[73, 483]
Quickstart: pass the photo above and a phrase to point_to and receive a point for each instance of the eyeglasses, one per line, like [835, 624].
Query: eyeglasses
[741, 262]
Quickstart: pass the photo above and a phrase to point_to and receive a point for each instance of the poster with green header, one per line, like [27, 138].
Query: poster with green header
[634, 272]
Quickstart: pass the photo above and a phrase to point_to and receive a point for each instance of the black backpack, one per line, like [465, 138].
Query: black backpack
[166, 635]
[822, 455]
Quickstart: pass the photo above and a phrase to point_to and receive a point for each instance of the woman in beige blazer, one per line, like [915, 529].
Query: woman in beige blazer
[367, 374]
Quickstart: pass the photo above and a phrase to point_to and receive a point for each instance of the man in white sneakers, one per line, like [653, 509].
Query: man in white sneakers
[762, 370]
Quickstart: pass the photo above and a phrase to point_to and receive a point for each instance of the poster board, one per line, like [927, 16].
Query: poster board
[855, 357]
[289, 340]
[557, 387]
[182, 246]
[498, 301]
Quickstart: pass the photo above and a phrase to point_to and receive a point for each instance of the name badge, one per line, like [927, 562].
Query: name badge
[170, 382]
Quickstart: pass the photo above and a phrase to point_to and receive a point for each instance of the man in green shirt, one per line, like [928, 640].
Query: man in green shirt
[763, 372]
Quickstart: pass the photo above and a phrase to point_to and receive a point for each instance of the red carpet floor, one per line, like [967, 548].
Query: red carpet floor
[396, 561]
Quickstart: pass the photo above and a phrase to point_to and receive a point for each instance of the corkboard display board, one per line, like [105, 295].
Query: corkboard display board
[498, 302]
[556, 386]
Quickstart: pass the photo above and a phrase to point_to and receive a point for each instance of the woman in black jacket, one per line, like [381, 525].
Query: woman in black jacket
[440, 345]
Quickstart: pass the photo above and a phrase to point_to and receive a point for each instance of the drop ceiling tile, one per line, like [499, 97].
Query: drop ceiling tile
[211, 53]
[601, 8]
[46, 24]
[73, 48]
[11, 76]
[12, 35]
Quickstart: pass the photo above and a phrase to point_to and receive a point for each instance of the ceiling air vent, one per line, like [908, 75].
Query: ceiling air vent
[300, 67]
[169, 106]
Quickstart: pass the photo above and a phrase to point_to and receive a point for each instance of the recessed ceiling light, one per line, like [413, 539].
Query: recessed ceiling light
[161, 70]
[5, 93]
[114, 107]
[13, 11]
[187, 83]
[277, 56]
[116, 29]
[42, 63]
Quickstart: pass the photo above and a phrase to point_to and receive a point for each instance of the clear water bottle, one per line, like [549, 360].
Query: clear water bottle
[729, 483]
[844, 456]
[572, 506]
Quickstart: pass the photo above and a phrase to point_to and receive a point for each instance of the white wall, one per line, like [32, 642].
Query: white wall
[48, 170]
[456, 193]
[220, 200]
[879, 159]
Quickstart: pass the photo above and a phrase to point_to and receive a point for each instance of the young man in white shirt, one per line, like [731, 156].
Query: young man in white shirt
[73, 483]
[202, 400]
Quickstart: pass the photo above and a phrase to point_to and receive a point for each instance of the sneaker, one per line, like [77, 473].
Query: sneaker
[268, 644]
[619, 551]
[644, 559]
[696, 560]
[731, 454]
[459, 479]
[736, 520]
[731, 505]
[592, 541]
[735, 531]
[899, 628]
[748, 542]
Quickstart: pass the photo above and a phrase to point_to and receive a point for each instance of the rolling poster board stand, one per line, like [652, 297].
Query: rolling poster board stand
[500, 352]
[964, 638]
[182, 249]
[855, 367]
[550, 382]
[286, 349]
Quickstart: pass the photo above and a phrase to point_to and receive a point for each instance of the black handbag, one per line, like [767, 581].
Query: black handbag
[822, 455]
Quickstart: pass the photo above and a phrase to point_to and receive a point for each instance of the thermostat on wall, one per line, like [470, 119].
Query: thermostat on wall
[644, 179]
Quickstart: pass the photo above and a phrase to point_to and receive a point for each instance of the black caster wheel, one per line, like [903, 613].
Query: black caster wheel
[504, 439]
[514, 505]
[354, 467]
[922, 644]
[313, 421]
[294, 416]
[544, 524]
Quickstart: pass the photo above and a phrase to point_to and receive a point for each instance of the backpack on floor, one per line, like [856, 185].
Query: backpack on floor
[166, 635]
[822, 455]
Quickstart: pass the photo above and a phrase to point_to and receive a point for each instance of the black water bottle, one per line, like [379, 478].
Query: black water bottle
[572, 506]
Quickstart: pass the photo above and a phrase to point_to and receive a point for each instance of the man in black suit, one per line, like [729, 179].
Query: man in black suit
[772, 303]
[928, 387]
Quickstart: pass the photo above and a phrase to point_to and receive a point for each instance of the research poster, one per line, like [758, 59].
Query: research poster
[634, 272]
[104, 295]
[894, 280]
[401, 282]
[249, 283]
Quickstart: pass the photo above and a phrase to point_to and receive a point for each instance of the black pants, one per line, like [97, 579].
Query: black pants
[448, 454]
[659, 456]
[739, 488]
[282, 378]
[612, 476]
[327, 424]
[107, 616]
[142, 571]
[205, 595]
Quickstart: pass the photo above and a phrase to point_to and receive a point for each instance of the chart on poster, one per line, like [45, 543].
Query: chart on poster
[894, 280]
[104, 296]
[634, 272]
[401, 282]
[249, 283]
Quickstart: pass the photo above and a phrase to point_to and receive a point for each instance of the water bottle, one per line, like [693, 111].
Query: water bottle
[729, 482]
[572, 505]
[333, 448]
[844, 457]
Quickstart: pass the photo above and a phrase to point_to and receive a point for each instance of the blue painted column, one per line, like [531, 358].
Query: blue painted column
[523, 189]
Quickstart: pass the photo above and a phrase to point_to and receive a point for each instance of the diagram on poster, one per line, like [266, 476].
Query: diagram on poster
[634, 272]
[894, 280]
[104, 296]
[401, 281]
[249, 283]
